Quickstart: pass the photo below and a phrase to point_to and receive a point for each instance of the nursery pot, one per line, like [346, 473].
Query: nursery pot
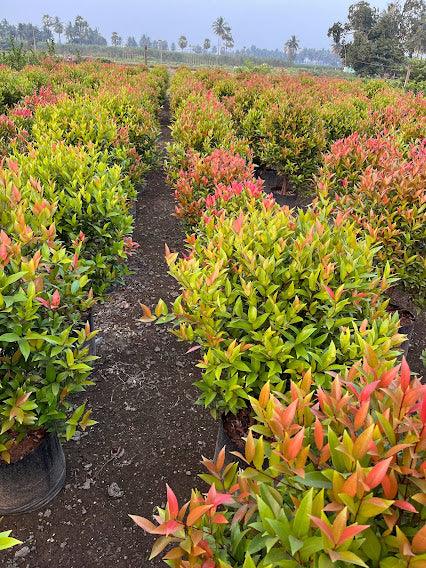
[32, 482]
[407, 325]
[224, 440]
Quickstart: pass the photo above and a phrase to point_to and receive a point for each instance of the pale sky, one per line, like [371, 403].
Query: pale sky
[265, 23]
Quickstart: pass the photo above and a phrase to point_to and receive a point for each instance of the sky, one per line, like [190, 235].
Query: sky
[265, 23]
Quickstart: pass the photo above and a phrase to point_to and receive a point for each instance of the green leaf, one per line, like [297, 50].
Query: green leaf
[295, 544]
[314, 479]
[352, 558]
[302, 520]
[248, 562]
[9, 337]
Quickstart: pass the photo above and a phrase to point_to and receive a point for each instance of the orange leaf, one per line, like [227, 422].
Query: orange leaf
[197, 513]
[295, 444]
[419, 541]
[377, 474]
[172, 503]
[144, 524]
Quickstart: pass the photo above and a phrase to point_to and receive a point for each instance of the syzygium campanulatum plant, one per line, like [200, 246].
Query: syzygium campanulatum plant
[44, 294]
[333, 478]
[202, 124]
[202, 176]
[382, 185]
[268, 294]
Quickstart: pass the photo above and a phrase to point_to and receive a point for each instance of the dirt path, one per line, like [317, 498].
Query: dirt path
[144, 402]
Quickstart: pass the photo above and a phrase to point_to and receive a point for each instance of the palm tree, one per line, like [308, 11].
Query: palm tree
[291, 48]
[116, 39]
[58, 28]
[183, 42]
[207, 44]
[223, 31]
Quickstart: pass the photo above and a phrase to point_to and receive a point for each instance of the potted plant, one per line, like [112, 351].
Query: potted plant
[381, 183]
[268, 294]
[333, 479]
[43, 358]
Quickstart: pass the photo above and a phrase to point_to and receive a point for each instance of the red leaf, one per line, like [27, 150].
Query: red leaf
[295, 444]
[388, 377]
[238, 223]
[377, 474]
[330, 292]
[423, 410]
[350, 532]
[318, 434]
[406, 506]
[168, 528]
[288, 415]
[419, 541]
[368, 390]
[56, 300]
[405, 374]
[323, 527]
[172, 503]
[197, 513]
[219, 519]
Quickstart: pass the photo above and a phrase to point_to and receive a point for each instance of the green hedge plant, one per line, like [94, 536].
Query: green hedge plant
[44, 294]
[268, 294]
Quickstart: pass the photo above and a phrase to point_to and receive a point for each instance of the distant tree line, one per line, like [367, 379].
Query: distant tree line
[80, 33]
[379, 42]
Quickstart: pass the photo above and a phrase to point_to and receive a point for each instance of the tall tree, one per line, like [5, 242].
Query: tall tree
[183, 42]
[374, 42]
[145, 41]
[131, 42]
[58, 28]
[222, 29]
[116, 39]
[291, 48]
[207, 44]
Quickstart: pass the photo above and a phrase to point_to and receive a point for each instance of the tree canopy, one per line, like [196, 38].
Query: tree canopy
[375, 42]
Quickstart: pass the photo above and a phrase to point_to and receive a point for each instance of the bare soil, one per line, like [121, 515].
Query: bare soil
[149, 432]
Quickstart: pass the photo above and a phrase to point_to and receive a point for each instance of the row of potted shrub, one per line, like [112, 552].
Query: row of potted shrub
[65, 210]
[361, 140]
[284, 306]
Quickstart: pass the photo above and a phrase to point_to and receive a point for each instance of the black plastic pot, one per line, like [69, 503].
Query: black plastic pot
[408, 319]
[223, 440]
[31, 483]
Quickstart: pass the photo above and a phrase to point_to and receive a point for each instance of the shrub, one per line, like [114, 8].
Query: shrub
[385, 193]
[92, 197]
[334, 478]
[203, 174]
[239, 196]
[202, 124]
[43, 296]
[135, 119]
[11, 136]
[287, 134]
[268, 295]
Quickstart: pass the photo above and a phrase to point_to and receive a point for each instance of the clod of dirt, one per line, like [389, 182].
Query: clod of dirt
[114, 491]
[22, 552]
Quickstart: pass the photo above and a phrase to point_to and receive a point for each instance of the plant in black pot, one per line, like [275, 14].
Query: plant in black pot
[269, 294]
[43, 354]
